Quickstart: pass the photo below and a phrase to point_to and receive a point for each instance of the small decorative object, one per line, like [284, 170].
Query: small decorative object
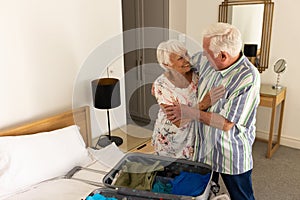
[106, 95]
[279, 68]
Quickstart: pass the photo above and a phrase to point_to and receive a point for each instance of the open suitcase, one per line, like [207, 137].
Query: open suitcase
[129, 179]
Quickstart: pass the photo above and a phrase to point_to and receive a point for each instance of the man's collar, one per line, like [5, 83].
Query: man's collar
[226, 71]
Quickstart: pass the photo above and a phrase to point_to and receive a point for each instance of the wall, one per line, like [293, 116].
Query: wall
[177, 15]
[43, 46]
[199, 15]
[284, 44]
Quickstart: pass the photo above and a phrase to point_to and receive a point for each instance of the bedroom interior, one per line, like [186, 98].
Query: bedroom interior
[53, 42]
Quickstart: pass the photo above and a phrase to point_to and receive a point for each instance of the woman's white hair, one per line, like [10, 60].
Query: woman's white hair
[164, 50]
[224, 37]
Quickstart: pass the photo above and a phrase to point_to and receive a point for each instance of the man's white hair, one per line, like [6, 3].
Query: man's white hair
[164, 50]
[224, 37]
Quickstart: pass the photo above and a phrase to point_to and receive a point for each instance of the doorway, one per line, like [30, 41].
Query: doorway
[145, 25]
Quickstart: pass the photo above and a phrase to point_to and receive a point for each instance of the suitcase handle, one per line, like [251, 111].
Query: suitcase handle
[147, 194]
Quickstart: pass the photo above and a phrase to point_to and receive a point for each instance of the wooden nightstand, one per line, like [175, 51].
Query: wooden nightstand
[135, 139]
[271, 98]
[144, 148]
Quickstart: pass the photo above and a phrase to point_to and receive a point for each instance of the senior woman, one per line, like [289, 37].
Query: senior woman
[177, 84]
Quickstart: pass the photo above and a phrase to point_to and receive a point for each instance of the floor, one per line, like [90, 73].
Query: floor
[277, 178]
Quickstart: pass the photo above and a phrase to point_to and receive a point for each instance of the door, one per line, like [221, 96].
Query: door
[141, 68]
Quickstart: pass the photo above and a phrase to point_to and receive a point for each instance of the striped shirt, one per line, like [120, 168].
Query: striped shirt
[228, 152]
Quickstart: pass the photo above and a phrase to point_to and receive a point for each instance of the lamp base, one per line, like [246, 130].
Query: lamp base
[276, 87]
[104, 141]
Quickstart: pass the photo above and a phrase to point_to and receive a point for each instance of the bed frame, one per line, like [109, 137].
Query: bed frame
[79, 116]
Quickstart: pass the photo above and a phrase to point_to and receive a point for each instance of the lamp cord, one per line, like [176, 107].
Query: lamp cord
[108, 125]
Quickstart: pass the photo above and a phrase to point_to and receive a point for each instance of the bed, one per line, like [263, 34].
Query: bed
[36, 156]
[39, 159]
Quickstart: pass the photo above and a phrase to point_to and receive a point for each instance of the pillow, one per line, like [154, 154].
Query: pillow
[30, 159]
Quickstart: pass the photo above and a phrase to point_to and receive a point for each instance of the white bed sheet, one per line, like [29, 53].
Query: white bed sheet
[59, 189]
[70, 189]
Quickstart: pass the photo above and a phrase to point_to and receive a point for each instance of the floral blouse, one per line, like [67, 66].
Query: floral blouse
[168, 139]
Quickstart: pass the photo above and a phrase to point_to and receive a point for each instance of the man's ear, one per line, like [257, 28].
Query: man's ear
[224, 56]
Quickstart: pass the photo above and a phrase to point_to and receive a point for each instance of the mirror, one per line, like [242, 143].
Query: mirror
[255, 24]
[279, 68]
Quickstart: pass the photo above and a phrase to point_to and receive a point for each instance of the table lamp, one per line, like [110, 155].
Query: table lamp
[106, 95]
[250, 51]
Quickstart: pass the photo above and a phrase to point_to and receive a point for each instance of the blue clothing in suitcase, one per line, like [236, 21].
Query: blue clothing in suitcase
[190, 184]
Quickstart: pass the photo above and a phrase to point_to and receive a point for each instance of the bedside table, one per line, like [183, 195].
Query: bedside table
[135, 139]
[271, 98]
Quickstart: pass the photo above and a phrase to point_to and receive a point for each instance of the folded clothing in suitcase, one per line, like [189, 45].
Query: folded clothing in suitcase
[145, 176]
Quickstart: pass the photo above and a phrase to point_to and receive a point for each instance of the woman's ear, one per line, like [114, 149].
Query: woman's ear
[167, 66]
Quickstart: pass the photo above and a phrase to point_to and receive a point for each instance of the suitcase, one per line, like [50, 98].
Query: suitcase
[135, 166]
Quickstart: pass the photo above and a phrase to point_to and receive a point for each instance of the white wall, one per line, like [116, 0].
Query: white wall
[43, 46]
[285, 43]
[199, 15]
[177, 15]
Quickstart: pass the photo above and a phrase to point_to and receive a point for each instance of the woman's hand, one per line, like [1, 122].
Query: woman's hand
[212, 97]
[178, 114]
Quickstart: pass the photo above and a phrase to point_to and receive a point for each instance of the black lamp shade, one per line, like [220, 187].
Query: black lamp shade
[250, 50]
[106, 93]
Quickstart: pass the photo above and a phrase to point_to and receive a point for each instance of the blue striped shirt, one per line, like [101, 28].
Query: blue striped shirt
[228, 152]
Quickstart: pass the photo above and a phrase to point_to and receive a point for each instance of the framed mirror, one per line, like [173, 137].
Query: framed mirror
[255, 24]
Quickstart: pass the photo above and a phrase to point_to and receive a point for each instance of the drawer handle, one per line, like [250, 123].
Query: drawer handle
[142, 146]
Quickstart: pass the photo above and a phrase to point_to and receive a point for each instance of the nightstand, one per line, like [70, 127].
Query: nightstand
[272, 98]
[135, 139]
